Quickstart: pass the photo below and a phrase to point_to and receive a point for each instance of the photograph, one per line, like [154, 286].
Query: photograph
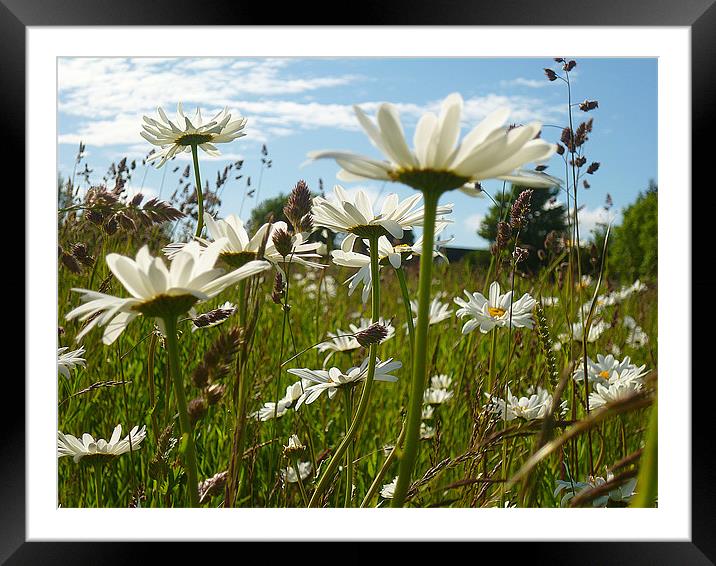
[358, 282]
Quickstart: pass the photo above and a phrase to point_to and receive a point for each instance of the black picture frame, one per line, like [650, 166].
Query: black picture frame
[698, 15]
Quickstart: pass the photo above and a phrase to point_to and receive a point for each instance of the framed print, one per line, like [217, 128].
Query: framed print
[411, 277]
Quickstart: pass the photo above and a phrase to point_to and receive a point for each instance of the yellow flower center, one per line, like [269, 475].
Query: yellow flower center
[496, 312]
[604, 374]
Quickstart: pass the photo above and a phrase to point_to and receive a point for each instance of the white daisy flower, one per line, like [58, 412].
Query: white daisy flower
[495, 311]
[549, 301]
[333, 379]
[289, 474]
[355, 215]
[596, 329]
[438, 312]
[175, 138]
[438, 162]
[426, 431]
[623, 386]
[78, 448]
[67, 361]
[536, 406]
[607, 369]
[427, 412]
[636, 338]
[435, 396]
[270, 409]
[388, 489]
[157, 291]
[442, 381]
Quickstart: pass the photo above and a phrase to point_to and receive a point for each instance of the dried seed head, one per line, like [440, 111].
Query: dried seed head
[579, 162]
[567, 138]
[214, 393]
[298, 208]
[550, 74]
[520, 209]
[588, 105]
[71, 263]
[504, 233]
[560, 149]
[554, 242]
[585, 184]
[278, 289]
[283, 242]
[111, 226]
[212, 486]
[200, 376]
[213, 317]
[569, 65]
[137, 199]
[196, 409]
[372, 335]
[593, 167]
[520, 254]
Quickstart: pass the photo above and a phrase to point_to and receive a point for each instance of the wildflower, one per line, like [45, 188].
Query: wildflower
[176, 138]
[294, 446]
[536, 406]
[277, 410]
[289, 474]
[627, 383]
[388, 489]
[68, 445]
[157, 291]
[636, 338]
[596, 329]
[333, 379]
[427, 412]
[438, 162]
[374, 334]
[67, 361]
[436, 396]
[388, 254]
[438, 312]
[355, 215]
[606, 369]
[426, 431]
[441, 381]
[495, 311]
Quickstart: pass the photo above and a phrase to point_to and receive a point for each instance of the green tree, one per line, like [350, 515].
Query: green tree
[546, 214]
[633, 244]
[265, 208]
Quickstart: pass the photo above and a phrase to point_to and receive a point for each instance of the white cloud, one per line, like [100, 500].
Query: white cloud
[521, 81]
[473, 222]
[590, 217]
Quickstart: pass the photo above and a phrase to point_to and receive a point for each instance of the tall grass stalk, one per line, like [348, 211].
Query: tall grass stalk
[420, 351]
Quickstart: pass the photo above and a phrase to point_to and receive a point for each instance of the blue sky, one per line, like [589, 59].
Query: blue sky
[298, 105]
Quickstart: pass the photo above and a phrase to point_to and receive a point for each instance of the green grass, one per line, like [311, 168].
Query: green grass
[461, 466]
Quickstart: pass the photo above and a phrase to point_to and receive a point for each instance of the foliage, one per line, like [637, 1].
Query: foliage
[633, 246]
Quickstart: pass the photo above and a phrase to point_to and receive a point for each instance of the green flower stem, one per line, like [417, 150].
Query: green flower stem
[97, 482]
[349, 452]
[242, 303]
[420, 352]
[170, 323]
[406, 302]
[327, 476]
[199, 192]
[383, 469]
[301, 487]
[493, 364]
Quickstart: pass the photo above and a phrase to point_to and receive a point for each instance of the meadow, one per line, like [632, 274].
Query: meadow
[270, 383]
